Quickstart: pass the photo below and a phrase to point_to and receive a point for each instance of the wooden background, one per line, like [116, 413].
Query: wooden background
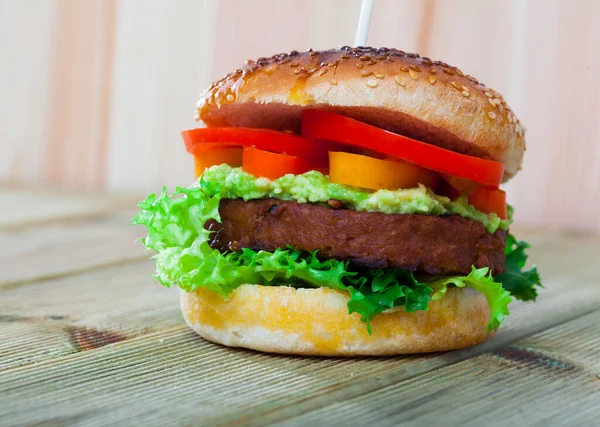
[94, 92]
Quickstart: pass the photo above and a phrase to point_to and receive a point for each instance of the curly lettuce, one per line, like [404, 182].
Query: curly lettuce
[521, 283]
[176, 232]
[482, 281]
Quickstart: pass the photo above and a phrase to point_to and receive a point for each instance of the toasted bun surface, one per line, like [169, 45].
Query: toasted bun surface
[316, 322]
[403, 93]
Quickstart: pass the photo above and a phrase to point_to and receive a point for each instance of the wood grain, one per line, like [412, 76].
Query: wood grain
[55, 318]
[34, 206]
[98, 90]
[67, 247]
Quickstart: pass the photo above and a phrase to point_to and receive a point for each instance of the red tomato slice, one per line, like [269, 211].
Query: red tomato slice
[489, 201]
[445, 189]
[263, 139]
[333, 127]
[272, 165]
[461, 185]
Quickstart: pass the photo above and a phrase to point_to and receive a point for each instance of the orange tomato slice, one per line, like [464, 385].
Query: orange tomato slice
[376, 174]
[274, 165]
[489, 201]
[212, 155]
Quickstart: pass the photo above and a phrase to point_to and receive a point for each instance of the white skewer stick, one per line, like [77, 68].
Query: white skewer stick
[364, 21]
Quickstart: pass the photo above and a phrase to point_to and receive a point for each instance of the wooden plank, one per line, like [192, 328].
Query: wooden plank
[129, 381]
[53, 250]
[80, 313]
[551, 378]
[22, 207]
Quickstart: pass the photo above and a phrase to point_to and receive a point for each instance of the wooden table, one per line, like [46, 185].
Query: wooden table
[89, 338]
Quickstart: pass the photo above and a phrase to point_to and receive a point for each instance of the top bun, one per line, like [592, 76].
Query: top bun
[388, 88]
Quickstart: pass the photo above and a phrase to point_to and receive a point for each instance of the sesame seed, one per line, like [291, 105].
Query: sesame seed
[364, 58]
[372, 62]
[413, 75]
[448, 71]
[415, 67]
[359, 65]
[432, 80]
[389, 58]
[399, 81]
[323, 71]
[501, 108]
[492, 102]
[488, 94]
[432, 70]
[405, 69]
[455, 85]
[379, 75]
[294, 64]
[509, 118]
[230, 98]
[465, 88]
[366, 73]
[517, 128]
[372, 83]
[313, 53]
[491, 115]
[466, 93]
[457, 71]
[345, 56]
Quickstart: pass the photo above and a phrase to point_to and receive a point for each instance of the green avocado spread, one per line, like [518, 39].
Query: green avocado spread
[314, 187]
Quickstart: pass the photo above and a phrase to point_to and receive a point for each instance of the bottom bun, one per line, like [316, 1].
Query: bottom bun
[282, 319]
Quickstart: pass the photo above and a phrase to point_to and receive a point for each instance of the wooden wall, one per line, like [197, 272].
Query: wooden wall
[94, 92]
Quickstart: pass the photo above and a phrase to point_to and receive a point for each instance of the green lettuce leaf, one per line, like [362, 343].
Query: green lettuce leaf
[177, 233]
[482, 281]
[377, 290]
[520, 283]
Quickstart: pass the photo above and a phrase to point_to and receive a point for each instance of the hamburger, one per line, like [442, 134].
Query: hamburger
[347, 202]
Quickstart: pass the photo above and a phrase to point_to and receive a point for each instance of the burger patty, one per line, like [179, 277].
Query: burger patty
[420, 243]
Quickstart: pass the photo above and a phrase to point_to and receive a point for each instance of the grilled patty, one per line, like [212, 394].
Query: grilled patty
[420, 243]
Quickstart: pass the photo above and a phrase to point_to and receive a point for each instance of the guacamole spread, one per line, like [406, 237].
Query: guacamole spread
[314, 187]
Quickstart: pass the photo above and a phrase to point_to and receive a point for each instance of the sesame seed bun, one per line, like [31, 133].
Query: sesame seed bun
[316, 322]
[403, 93]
